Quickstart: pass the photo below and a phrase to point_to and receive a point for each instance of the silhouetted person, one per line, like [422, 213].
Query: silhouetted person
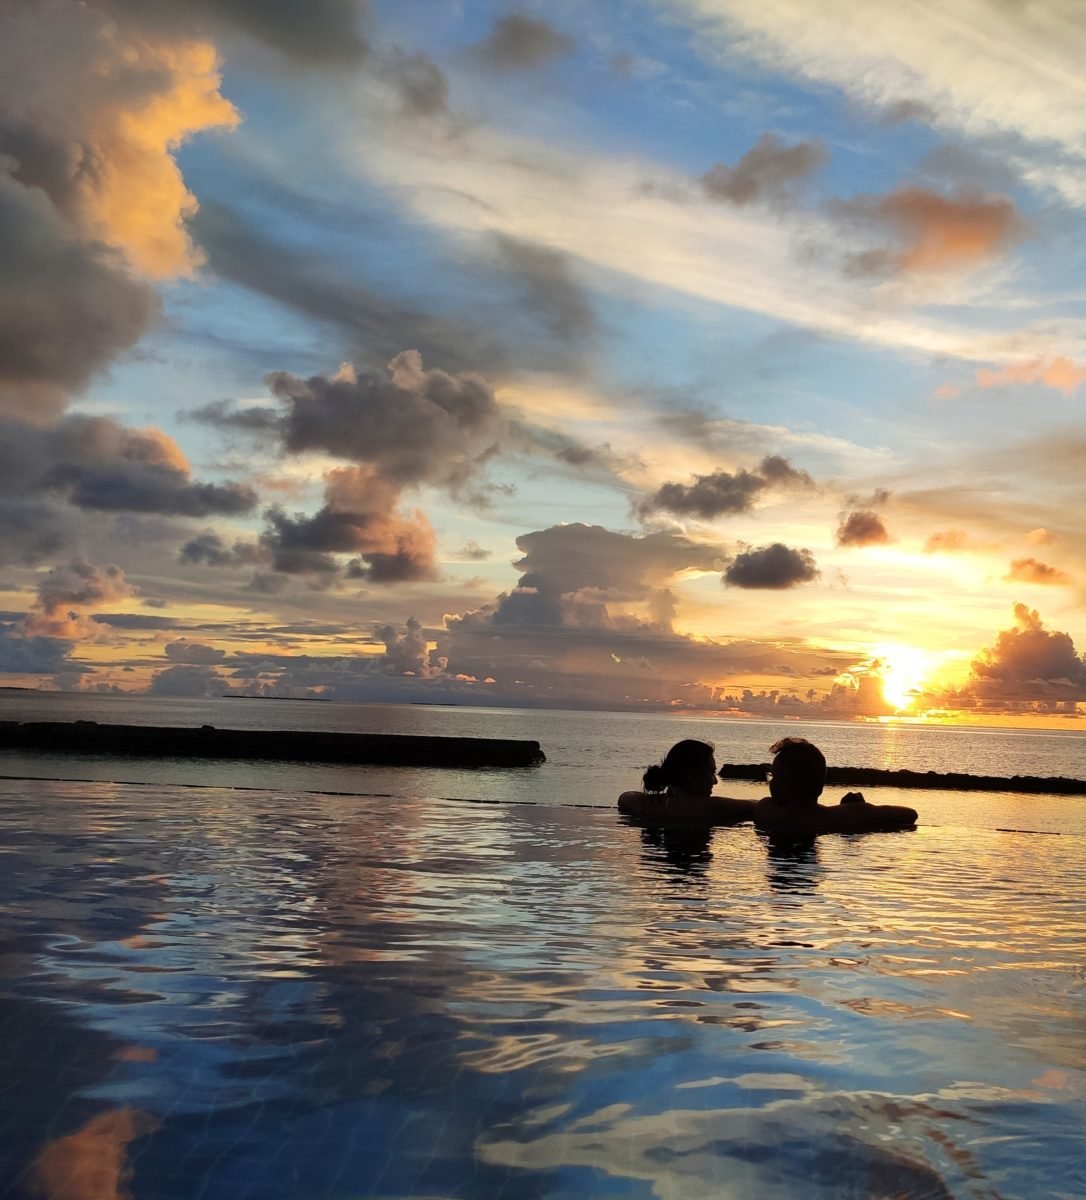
[679, 792]
[791, 810]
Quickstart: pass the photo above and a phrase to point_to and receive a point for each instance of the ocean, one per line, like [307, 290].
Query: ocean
[279, 981]
[591, 756]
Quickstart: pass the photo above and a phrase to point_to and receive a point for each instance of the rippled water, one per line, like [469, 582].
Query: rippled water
[222, 995]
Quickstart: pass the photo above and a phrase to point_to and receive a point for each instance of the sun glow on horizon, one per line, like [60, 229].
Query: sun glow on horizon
[903, 670]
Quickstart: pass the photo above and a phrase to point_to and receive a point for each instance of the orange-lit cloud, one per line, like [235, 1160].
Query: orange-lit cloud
[1029, 570]
[103, 109]
[1060, 374]
[932, 232]
[954, 541]
[862, 527]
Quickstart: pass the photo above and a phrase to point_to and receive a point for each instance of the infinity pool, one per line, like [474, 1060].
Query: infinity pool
[217, 994]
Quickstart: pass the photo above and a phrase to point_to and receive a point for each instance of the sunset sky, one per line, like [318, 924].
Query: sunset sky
[710, 354]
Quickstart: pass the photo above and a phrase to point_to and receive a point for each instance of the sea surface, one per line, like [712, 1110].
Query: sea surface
[591, 756]
[238, 988]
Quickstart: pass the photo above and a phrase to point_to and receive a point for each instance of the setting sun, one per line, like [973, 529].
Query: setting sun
[903, 670]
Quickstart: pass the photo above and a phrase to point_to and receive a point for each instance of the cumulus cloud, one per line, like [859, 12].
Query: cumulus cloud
[862, 527]
[210, 548]
[408, 653]
[194, 653]
[724, 492]
[518, 43]
[773, 567]
[1030, 570]
[69, 587]
[1030, 661]
[581, 576]
[188, 680]
[32, 655]
[771, 170]
[927, 231]
[1060, 374]
[420, 426]
[471, 551]
[359, 517]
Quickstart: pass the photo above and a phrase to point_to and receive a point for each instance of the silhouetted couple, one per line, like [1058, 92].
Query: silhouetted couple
[679, 794]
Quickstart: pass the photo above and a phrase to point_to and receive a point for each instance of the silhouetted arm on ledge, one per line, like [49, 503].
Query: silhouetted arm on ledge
[675, 808]
[850, 816]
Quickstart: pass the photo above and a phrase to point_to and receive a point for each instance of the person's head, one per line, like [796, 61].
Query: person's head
[688, 765]
[798, 774]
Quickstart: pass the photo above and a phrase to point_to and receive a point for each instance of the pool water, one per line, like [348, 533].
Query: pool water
[213, 994]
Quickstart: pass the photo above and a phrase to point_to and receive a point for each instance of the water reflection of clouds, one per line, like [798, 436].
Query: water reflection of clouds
[414, 997]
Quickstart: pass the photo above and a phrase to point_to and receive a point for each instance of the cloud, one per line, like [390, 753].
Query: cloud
[188, 680]
[318, 31]
[1029, 661]
[359, 517]
[96, 114]
[407, 653]
[68, 307]
[771, 170]
[95, 463]
[955, 541]
[35, 655]
[194, 653]
[862, 527]
[722, 492]
[520, 43]
[77, 584]
[1060, 374]
[772, 567]
[548, 288]
[988, 69]
[1029, 570]
[471, 551]
[930, 232]
[575, 576]
[210, 549]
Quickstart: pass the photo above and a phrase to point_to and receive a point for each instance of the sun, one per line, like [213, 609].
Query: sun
[902, 671]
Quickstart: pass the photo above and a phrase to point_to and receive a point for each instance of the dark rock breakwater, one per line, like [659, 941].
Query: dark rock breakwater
[288, 745]
[950, 781]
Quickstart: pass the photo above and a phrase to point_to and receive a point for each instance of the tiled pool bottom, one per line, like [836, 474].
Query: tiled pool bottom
[242, 995]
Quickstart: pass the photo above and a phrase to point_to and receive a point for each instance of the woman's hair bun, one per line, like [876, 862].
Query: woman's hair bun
[656, 779]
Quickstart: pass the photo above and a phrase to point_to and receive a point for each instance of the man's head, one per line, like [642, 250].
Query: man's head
[798, 774]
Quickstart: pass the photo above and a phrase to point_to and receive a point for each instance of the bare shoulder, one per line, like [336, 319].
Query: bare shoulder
[730, 810]
[631, 802]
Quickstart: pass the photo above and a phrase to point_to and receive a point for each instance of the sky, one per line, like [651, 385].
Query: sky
[711, 355]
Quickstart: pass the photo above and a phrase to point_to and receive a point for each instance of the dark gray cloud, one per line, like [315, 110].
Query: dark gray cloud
[69, 587]
[68, 307]
[22, 655]
[95, 463]
[417, 425]
[861, 527]
[210, 549]
[316, 31]
[225, 415]
[723, 492]
[471, 551]
[136, 621]
[422, 86]
[771, 170]
[32, 530]
[774, 567]
[521, 43]
[548, 288]
[188, 680]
